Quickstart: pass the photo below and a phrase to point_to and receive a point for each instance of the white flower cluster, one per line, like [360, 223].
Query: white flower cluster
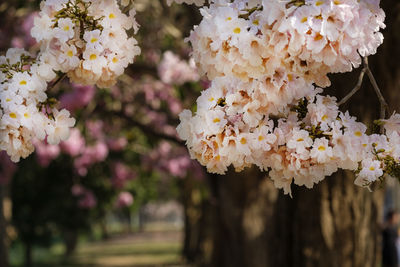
[262, 107]
[25, 111]
[86, 39]
[313, 140]
[252, 39]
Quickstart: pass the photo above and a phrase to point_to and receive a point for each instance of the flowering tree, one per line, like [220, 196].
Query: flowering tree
[268, 62]
[251, 46]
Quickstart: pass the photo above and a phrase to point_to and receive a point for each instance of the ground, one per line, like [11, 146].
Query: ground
[137, 250]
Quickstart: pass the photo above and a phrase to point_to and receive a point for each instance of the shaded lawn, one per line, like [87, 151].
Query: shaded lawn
[137, 250]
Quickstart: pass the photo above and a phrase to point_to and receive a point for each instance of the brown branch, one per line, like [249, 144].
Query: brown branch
[383, 104]
[356, 88]
[54, 84]
[148, 129]
[382, 101]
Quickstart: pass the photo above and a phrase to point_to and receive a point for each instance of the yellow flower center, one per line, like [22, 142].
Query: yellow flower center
[216, 120]
[318, 3]
[13, 115]
[243, 141]
[93, 40]
[70, 53]
[66, 28]
[358, 134]
[260, 138]
[324, 118]
[23, 82]
[217, 158]
[228, 18]
[321, 148]
[237, 30]
[26, 115]
[300, 140]
[115, 60]
[8, 99]
[211, 99]
[256, 22]
[111, 16]
[303, 19]
[93, 57]
[372, 168]
[290, 77]
[318, 17]
[364, 145]
[337, 2]
[318, 37]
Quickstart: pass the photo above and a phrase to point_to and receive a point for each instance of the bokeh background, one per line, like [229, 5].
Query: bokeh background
[123, 191]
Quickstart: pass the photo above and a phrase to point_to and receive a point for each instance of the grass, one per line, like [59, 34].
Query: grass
[136, 250]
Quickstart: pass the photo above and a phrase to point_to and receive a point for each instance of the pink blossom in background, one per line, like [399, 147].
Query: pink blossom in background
[75, 143]
[178, 166]
[45, 153]
[7, 168]
[173, 70]
[90, 156]
[87, 199]
[117, 144]
[79, 97]
[152, 56]
[121, 174]
[24, 39]
[95, 129]
[174, 161]
[77, 190]
[125, 199]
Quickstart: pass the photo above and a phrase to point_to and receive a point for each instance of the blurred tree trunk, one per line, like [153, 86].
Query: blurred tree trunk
[336, 224]
[28, 254]
[3, 232]
[70, 241]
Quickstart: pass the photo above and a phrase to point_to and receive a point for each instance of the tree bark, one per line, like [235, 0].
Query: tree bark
[3, 232]
[335, 224]
[28, 254]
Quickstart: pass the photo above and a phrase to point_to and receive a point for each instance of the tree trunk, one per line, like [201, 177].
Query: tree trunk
[335, 224]
[28, 254]
[70, 241]
[3, 233]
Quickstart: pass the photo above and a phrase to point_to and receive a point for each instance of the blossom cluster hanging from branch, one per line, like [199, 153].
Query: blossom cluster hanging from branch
[86, 40]
[265, 59]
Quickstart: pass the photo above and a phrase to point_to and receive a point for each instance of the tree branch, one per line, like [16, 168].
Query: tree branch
[356, 88]
[383, 104]
[148, 129]
[382, 101]
[62, 77]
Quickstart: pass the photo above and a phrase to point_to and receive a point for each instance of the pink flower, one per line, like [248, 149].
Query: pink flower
[87, 199]
[95, 129]
[77, 190]
[90, 156]
[125, 199]
[173, 70]
[46, 153]
[121, 175]
[78, 98]
[74, 145]
[117, 144]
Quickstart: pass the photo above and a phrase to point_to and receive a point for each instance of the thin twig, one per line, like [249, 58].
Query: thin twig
[382, 101]
[356, 88]
[62, 77]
